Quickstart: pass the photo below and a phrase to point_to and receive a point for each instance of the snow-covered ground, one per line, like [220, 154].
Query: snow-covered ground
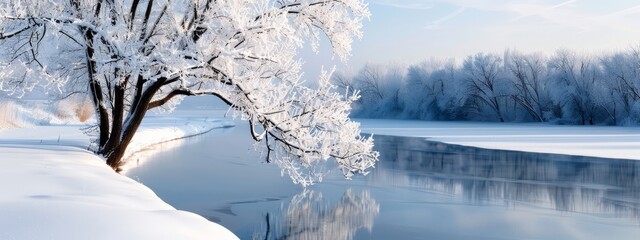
[596, 141]
[54, 188]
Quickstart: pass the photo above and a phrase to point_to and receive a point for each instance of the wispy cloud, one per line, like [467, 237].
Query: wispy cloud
[579, 15]
[616, 19]
[624, 12]
[485, 5]
[493, 5]
[529, 10]
[407, 4]
[573, 14]
[563, 4]
[436, 24]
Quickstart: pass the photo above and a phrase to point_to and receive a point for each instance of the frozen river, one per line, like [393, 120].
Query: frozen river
[419, 190]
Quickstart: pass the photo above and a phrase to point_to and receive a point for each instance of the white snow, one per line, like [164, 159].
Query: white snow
[594, 141]
[54, 188]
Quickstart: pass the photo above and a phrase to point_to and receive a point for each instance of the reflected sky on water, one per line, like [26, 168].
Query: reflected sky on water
[419, 190]
[479, 176]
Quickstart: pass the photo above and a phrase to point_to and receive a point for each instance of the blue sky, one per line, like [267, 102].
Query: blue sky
[409, 31]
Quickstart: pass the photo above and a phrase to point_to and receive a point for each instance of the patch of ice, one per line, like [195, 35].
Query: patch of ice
[594, 141]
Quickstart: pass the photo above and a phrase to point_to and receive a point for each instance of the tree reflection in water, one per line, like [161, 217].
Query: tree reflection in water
[310, 216]
[605, 187]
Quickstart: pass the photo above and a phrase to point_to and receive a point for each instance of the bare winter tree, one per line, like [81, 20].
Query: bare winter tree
[344, 82]
[131, 56]
[483, 74]
[574, 79]
[567, 87]
[380, 87]
[425, 86]
[622, 71]
[370, 80]
[528, 75]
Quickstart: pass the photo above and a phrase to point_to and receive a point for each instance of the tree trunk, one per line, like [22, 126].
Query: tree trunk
[116, 152]
[117, 112]
[114, 158]
[96, 89]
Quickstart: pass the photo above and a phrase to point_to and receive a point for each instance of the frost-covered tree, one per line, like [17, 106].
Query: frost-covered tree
[567, 87]
[622, 73]
[430, 90]
[484, 75]
[380, 86]
[573, 78]
[454, 95]
[370, 81]
[528, 75]
[345, 83]
[132, 56]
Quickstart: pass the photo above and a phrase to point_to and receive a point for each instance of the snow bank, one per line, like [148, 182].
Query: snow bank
[594, 141]
[53, 188]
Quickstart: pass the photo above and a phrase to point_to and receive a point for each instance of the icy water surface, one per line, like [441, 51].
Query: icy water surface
[419, 190]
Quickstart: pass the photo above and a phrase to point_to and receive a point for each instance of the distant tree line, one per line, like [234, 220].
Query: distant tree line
[565, 88]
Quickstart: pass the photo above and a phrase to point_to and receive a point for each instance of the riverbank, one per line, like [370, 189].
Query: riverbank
[592, 141]
[54, 188]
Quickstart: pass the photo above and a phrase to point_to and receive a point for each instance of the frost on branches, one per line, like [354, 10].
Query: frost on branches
[132, 56]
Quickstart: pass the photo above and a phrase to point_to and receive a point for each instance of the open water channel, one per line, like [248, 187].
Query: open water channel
[419, 190]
